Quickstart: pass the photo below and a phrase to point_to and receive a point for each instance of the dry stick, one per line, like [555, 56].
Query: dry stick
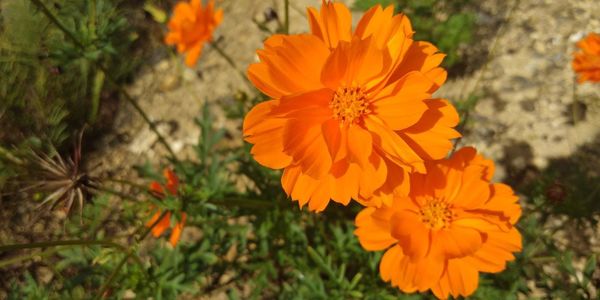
[109, 76]
[491, 54]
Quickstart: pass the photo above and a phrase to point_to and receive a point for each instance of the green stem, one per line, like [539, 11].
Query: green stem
[286, 27]
[142, 113]
[113, 276]
[231, 63]
[4, 153]
[575, 108]
[109, 76]
[483, 71]
[127, 182]
[116, 271]
[20, 258]
[60, 243]
[57, 22]
[116, 193]
[149, 229]
[248, 203]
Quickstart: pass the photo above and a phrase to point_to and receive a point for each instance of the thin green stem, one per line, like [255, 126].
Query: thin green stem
[231, 63]
[113, 276]
[286, 27]
[5, 154]
[142, 113]
[491, 55]
[116, 193]
[13, 247]
[20, 258]
[58, 23]
[126, 182]
[129, 253]
[149, 229]
[575, 108]
[109, 76]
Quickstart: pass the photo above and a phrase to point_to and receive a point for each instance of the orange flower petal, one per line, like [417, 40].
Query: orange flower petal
[286, 58]
[400, 105]
[172, 181]
[266, 133]
[373, 229]
[176, 234]
[412, 235]
[162, 225]
[430, 137]
[157, 189]
[332, 24]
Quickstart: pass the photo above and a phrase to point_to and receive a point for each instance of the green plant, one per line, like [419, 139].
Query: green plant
[49, 86]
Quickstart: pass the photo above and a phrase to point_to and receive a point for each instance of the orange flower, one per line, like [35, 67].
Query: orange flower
[453, 225]
[351, 112]
[191, 26]
[172, 185]
[586, 63]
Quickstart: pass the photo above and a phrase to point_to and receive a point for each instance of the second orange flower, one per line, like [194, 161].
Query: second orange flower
[191, 26]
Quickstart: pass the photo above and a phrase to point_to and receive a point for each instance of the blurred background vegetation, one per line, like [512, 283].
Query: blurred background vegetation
[240, 244]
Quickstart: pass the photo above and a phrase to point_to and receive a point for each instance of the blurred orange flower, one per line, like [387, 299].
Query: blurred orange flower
[191, 26]
[172, 185]
[586, 63]
[351, 112]
[453, 225]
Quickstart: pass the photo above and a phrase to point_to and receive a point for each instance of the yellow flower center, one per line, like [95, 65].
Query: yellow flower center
[349, 104]
[436, 214]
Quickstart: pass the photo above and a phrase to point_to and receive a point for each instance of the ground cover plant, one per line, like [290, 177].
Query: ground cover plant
[347, 175]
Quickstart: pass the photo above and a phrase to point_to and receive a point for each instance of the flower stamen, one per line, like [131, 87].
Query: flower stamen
[349, 104]
[436, 214]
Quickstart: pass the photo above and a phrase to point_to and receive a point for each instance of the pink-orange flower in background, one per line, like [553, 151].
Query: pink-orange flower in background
[453, 225]
[351, 112]
[160, 191]
[586, 63]
[191, 26]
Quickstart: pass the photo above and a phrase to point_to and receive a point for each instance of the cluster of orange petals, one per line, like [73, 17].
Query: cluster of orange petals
[160, 226]
[453, 225]
[351, 112]
[586, 63]
[191, 26]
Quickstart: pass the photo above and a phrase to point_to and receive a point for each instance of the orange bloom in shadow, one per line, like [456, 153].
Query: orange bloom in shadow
[191, 26]
[171, 186]
[453, 225]
[351, 111]
[586, 63]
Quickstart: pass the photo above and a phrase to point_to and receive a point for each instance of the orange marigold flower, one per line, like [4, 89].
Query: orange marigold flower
[171, 186]
[586, 63]
[453, 225]
[191, 26]
[351, 111]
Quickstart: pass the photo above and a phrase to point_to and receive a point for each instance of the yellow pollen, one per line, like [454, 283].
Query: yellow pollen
[349, 104]
[436, 214]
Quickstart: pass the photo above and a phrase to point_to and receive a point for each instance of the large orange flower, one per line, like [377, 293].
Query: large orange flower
[171, 186]
[351, 111]
[453, 225]
[191, 26]
[586, 62]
